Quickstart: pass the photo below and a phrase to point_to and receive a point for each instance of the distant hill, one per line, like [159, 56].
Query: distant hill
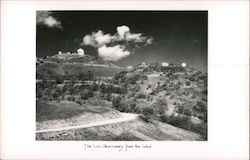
[73, 65]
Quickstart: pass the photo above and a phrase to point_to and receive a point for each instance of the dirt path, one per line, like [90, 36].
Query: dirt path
[125, 117]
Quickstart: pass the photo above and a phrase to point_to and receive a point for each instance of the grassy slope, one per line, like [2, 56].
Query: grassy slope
[128, 131]
[64, 114]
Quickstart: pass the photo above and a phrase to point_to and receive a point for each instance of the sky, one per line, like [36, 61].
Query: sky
[126, 37]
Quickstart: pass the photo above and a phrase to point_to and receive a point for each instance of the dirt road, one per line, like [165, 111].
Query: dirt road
[125, 117]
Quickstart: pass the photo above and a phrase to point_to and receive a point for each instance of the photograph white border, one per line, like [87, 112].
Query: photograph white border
[228, 84]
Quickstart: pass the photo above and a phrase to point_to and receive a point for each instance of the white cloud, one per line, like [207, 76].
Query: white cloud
[149, 40]
[97, 39]
[138, 38]
[102, 39]
[114, 53]
[119, 45]
[122, 30]
[46, 18]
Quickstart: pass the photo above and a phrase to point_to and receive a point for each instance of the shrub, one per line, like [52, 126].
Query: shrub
[116, 101]
[160, 105]
[187, 83]
[59, 79]
[79, 102]
[70, 98]
[55, 95]
[187, 112]
[179, 109]
[185, 123]
[143, 118]
[140, 95]
[126, 137]
[108, 96]
[123, 107]
[86, 94]
[147, 112]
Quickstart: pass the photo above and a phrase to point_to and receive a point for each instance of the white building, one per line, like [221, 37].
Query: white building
[80, 51]
[143, 64]
[184, 65]
[164, 64]
[59, 52]
[130, 67]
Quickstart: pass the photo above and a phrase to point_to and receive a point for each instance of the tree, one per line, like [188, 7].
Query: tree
[147, 112]
[108, 96]
[90, 76]
[116, 101]
[59, 79]
[161, 105]
[187, 112]
[86, 94]
[187, 83]
[179, 109]
[200, 107]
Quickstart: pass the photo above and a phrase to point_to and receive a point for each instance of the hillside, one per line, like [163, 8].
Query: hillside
[170, 97]
[173, 94]
[174, 84]
[74, 65]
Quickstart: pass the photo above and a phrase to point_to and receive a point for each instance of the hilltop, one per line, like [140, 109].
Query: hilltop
[74, 65]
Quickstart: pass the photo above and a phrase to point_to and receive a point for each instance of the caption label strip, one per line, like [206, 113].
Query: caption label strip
[125, 147]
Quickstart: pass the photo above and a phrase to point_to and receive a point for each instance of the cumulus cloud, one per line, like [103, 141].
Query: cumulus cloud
[46, 18]
[114, 53]
[97, 39]
[122, 30]
[121, 42]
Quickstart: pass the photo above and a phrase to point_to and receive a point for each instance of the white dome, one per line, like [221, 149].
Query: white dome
[80, 51]
[165, 64]
[184, 65]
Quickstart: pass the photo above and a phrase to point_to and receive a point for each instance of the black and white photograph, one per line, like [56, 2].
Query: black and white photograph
[121, 75]
[122, 79]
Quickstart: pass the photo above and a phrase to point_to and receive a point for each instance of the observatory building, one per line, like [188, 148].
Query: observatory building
[184, 65]
[164, 64]
[80, 52]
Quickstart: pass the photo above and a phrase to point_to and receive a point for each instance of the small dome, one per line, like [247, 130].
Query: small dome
[164, 64]
[80, 51]
[184, 65]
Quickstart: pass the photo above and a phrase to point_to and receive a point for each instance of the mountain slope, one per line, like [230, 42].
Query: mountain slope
[74, 65]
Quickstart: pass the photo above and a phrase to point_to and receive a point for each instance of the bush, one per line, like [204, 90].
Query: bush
[86, 94]
[143, 118]
[71, 98]
[108, 96]
[188, 83]
[123, 107]
[160, 105]
[185, 123]
[147, 112]
[140, 95]
[126, 137]
[187, 112]
[180, 109]
[116, 102]
[79, 102]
